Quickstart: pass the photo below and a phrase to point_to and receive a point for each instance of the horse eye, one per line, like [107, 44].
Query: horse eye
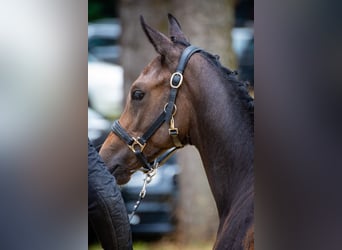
[137, 95]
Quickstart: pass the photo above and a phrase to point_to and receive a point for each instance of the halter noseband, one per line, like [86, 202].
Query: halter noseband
[138, 144]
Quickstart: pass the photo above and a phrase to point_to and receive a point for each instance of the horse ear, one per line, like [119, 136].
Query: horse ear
[175, 31]
[161, 43]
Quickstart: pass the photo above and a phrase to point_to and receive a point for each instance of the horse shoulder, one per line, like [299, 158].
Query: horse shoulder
[236, 230]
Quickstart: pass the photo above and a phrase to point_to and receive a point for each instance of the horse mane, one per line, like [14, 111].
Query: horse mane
[240, 87]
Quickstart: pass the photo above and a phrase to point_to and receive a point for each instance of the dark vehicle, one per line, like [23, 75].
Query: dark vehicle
[156, 213]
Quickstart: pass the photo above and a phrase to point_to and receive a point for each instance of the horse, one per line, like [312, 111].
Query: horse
[184, 96]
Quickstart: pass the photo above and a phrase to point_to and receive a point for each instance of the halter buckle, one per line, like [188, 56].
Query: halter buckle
[176, 80]
[136, 143]
[173, 131]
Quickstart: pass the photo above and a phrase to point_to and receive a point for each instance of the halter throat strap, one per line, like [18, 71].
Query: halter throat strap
[138, 144]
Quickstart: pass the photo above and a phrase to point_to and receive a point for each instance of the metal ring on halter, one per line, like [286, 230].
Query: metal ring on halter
[174, 108]
[176, 82]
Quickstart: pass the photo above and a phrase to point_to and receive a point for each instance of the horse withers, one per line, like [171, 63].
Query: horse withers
[185, 96]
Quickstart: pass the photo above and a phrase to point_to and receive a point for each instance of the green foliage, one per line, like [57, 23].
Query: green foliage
[136, 246]
[164, 245]
[98, 9]
[140, 246]
[94, 10]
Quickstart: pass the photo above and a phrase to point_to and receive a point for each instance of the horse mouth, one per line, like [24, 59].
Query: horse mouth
[112, 170]
[122, 174]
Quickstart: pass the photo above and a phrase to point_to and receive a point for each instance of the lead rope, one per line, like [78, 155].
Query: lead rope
[148, 178]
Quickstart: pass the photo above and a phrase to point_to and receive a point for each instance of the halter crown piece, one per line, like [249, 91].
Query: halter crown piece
[138, 144]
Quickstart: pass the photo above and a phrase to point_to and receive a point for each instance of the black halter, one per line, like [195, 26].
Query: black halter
[138, 144]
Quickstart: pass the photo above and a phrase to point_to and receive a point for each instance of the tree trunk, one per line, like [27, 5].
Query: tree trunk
[207, 24]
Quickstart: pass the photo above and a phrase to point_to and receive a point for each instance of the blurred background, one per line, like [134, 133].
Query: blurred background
[175, 212]
[182, 212]
[43, 150]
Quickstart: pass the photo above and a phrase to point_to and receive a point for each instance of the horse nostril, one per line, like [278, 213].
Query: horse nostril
[112, 169]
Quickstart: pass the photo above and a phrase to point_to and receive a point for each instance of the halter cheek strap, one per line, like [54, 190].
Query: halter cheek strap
[138, 144]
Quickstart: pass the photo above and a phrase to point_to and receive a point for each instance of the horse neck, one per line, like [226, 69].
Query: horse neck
[223, 136]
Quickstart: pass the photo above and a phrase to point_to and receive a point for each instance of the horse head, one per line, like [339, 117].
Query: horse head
[152, 122]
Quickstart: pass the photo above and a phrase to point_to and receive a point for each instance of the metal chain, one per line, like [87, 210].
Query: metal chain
[148, 178]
